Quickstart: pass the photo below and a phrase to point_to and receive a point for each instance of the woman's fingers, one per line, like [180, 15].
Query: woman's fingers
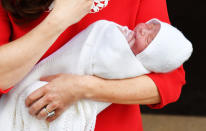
[77, 10]
[38, 105]
[43, 113]
[34, 96]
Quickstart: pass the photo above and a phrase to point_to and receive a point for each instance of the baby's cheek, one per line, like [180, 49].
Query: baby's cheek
[142, 46]
[138, 46]
[135, 48]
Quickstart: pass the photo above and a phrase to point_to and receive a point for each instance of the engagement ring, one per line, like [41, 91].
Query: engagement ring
[49, 114]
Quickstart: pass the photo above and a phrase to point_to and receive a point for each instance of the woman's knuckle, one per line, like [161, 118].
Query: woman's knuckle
[47, 99]
[54, 105]
[50, 98]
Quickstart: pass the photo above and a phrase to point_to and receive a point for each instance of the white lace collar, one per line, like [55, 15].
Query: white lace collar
[96, 7]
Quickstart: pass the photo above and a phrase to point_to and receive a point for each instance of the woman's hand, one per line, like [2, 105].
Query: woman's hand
[71, 11]
[62, 91]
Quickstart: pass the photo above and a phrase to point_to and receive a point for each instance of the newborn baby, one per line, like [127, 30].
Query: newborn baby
[142, 35]
[156, 46]
[101, 50]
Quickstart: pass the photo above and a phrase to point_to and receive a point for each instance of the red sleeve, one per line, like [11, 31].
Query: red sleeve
[5, 32]
[168, 84]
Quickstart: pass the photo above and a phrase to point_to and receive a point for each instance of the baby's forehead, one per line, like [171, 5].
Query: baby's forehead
[153, 22]
[155, 28]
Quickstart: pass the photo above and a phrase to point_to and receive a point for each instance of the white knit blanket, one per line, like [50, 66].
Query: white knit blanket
[100, 50]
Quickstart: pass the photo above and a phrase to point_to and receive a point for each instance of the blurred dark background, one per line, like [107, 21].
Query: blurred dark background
[188, 16]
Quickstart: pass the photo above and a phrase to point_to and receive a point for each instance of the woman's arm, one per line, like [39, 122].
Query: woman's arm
[138, 90]
[18, 57]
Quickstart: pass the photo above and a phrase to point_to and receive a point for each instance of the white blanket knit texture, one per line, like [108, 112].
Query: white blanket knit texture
[99, 50]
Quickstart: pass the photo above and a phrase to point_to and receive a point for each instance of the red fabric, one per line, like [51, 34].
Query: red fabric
[125, 12]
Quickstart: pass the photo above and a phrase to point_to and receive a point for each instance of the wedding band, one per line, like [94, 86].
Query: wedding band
[49, 114]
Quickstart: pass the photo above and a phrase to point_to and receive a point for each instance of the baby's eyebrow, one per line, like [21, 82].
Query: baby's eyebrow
[151, 24]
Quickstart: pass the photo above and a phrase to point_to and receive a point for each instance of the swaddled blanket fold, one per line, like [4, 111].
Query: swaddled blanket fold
[99, 50]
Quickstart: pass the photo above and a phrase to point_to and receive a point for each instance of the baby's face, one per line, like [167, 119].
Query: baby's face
[144, 34]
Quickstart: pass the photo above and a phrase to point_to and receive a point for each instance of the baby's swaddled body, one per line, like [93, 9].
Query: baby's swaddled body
[107, 55]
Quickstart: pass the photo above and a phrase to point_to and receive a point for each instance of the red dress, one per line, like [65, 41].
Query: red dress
[125, 12]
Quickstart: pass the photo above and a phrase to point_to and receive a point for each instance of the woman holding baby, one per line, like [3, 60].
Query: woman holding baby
[29, 32]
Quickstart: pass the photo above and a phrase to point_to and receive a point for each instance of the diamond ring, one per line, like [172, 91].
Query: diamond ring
[49, 114]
